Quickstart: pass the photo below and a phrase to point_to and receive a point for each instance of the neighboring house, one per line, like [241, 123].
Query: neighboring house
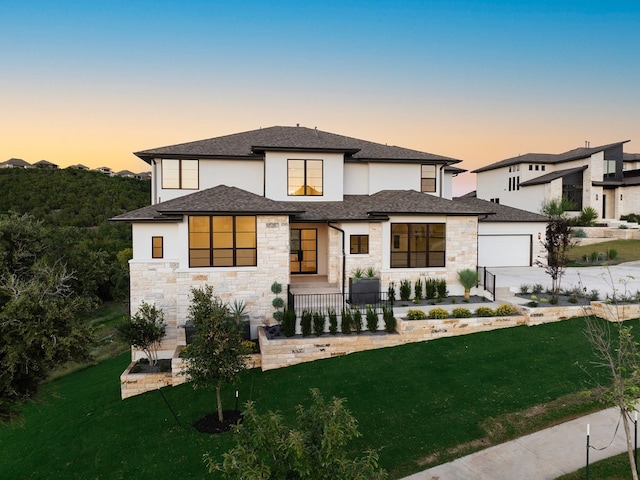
[105, 170]
[143, 176]
[511, 237]
[603, 177]
[79, 166]
[290, 204]
[15, 163]
[126, 174]
[45, 164]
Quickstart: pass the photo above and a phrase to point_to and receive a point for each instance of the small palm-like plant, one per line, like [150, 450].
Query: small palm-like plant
[468, 279]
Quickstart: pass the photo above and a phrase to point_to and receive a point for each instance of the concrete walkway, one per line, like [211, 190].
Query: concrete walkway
[603, 279]
[544, 455]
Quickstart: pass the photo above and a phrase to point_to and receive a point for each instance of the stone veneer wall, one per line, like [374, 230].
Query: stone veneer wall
[168, 284]
[461, 253]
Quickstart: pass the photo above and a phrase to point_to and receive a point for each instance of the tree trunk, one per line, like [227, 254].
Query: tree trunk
[627, 432]
[219, 399]
[467, 292]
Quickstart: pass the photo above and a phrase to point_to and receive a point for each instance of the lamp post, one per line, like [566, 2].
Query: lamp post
[635, 439]
[587, 451]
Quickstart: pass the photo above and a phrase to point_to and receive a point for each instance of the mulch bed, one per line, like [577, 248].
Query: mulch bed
[211, 424]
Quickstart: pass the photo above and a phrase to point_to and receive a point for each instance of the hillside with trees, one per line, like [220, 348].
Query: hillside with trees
[73, 207]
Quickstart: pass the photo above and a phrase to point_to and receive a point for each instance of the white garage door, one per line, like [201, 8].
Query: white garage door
[504, 250]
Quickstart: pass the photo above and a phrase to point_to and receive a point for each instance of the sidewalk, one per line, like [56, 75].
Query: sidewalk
[544, 455]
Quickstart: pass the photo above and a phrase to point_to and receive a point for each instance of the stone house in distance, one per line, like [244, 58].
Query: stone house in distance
[294, 205]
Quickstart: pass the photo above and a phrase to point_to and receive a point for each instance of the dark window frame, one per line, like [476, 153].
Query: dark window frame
[360, 249]
[305, 178]
[413, 255]
[180, 176]
[212, 249]
[425, 181]
[155, 248]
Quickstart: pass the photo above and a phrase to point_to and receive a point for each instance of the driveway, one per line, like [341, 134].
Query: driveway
[624, 277]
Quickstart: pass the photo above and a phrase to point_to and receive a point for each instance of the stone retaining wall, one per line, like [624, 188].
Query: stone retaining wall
[278, 353]
[136, 383]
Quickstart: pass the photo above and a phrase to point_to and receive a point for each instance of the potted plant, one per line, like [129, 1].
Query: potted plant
[364, 286]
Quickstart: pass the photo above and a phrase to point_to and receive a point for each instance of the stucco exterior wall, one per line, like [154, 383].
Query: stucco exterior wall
[356, 178]
[244, 174]
[332, 176]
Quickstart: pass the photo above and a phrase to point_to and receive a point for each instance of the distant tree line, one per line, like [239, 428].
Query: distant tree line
[73, 207]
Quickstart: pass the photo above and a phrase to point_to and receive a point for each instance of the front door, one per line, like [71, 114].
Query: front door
[303, 253]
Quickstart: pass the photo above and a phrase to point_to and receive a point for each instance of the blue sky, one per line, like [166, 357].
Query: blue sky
[91, 82]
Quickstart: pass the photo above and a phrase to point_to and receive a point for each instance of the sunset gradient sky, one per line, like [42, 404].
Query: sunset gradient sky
[91, 82]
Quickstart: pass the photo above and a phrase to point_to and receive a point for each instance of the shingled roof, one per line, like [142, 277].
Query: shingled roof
[547, 178]
[549, 158]
[223, 200]
[220, 200]
[501, 213]
[254, 143]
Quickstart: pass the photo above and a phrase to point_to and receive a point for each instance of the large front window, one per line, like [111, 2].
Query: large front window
[428, 178]
[572, 189]
[304, 177]
[417, 245]
[180, 174]
[222, 241]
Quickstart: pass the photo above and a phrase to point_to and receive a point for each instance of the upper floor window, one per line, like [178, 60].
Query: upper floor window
[157, 247]
[417, 245]
[304, 177]
[222, 241]
[428, 178]
[178, 173]
[359, 244]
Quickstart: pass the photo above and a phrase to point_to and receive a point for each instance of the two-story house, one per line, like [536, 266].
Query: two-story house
[288, 204]
[604, 178]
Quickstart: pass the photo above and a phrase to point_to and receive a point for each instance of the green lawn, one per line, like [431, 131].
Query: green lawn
[628, 250]
[411, 402]
[614, 468]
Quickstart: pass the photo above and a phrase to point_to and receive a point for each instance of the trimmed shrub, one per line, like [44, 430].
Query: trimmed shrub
[347, 322]
[430, 288]
[305, 323]
[505, 309]
[553, 300]
[438, 313]
[389, 319]
[417, 290]
[461, 312]
[405, 289]
[357, 320]
[416, 315]
[318, 323]
[333, 321]
[485, 312]
[391, 292]
[372, 319]
[441, 287]
[289, 323]
[613, 253]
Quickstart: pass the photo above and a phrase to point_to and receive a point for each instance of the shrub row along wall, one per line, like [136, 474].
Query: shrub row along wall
[279, 353]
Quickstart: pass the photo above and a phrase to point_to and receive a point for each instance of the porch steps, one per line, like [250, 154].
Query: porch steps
[313, 287]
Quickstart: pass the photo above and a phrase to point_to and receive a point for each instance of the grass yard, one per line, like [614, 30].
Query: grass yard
[614, 468]
[412, 402]
[103, 322]
[628, 251]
